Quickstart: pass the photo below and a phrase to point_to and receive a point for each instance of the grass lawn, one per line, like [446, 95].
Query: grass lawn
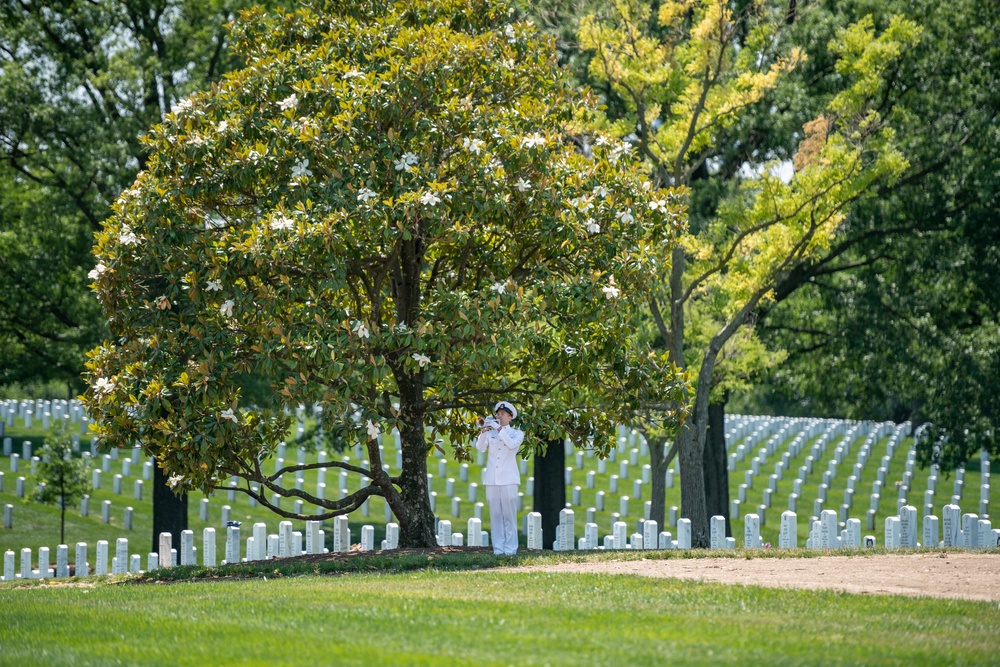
[431, 617]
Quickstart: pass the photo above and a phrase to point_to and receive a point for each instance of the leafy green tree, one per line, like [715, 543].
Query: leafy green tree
[898, 321]
[686, 80]
[80, 80]
[62, 478]
[385, 213]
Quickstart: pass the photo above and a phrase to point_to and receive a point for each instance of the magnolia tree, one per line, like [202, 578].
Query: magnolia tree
[686, 85]
[384, 214]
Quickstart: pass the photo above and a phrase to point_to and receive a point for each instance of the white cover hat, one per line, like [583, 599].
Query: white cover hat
[507, 406]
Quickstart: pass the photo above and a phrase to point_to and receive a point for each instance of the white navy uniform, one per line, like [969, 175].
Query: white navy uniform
[501, 479]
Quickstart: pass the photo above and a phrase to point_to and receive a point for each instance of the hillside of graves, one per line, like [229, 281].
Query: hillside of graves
[793, 483]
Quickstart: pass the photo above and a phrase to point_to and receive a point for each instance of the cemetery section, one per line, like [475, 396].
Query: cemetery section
[793, 482]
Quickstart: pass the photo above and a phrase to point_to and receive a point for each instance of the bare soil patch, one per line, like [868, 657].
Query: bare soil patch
[969, 576]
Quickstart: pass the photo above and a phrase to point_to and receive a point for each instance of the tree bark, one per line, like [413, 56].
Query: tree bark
[691, 454]
[170, 512]
[659, 459]
[550, 488]
[716, 469]
[416, 520]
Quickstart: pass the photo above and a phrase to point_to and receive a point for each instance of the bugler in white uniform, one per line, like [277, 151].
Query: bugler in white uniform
[501, 479]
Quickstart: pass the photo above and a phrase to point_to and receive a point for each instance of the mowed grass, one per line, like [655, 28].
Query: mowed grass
[485, 618]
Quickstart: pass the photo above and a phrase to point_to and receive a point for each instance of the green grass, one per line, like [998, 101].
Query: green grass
[432, 617]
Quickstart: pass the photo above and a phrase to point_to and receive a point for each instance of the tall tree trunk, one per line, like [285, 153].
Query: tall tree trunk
[170, 512]
[412, 506]
[716, 470]
[659, 459]
[62, 522]
[550, 488]
[691, 454]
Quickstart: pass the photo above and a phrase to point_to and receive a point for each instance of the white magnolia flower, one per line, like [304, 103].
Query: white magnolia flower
[406, 161]
[430, 199]
[196, 140]
[162, 302]
[625, 216]
[365, 194]
[103, 386]
[611, 291]
[361, 329]
[582, 203]
[473, 145]
[282, 222]
[373, 430]
[301, 169]
[226, 308]
[602, 140]
[660, 205]
[222, 127]
[353, 73]
[593, 227]
[96, 272]
[182, 105]
[175, 480]
[421, 359]
[289, 102]
[499, 288]
[646, 185]
[230, 415]
[522, 185]
[534, 140]
[509, 31]
[600, 191]
[569, 350]
[214, 286]
[127, 236]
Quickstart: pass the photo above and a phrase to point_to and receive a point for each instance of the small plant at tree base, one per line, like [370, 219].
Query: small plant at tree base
[62, 478]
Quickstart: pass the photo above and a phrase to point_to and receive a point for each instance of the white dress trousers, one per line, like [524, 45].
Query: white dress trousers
[502, 479]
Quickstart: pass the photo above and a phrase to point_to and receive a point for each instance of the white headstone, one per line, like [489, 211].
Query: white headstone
[535, 530]
[82, 568]
[751, 532]
[233, 544]
[208, 547]
[717, 532]
[285, 539]
[166, 546]
[620, 532]
[649, 534]
[259, 541]
[341, 534]
[683, 533]
[187, 547]
[101, 563]
[367, 538]
[474, 530]
[788, 532]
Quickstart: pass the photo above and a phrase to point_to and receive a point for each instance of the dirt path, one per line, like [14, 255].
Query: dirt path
[970, 576]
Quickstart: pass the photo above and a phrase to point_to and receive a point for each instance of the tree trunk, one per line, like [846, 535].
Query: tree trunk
[658, 463]
[716, 470]
[550, 488]
[413, 508]
[62, 523]
[691, 454]
[170, 512]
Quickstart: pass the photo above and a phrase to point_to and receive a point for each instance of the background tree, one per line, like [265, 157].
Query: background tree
[79, 82]
[686, 80]
[899, 321]
[62, 478]
[383, 214]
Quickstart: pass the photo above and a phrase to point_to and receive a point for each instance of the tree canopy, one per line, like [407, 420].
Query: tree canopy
[386, 213]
